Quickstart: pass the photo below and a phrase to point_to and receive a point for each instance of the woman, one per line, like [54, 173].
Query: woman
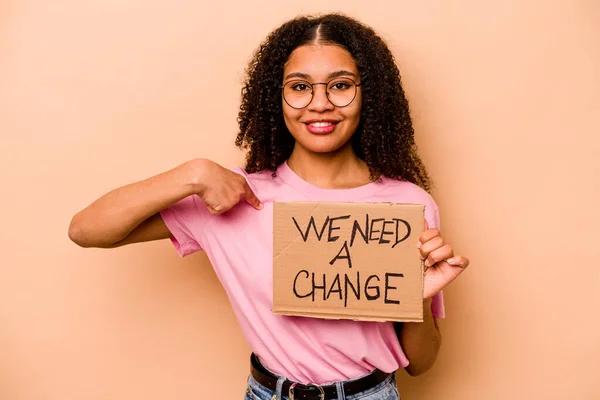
[324, 118]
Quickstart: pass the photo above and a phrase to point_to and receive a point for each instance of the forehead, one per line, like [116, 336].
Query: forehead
[319, 60]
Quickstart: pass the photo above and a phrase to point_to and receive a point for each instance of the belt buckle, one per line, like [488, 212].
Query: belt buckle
[291, 391]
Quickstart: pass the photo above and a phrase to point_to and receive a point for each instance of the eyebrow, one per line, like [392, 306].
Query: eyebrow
[332, 75]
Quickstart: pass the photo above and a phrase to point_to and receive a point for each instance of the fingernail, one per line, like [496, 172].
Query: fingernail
[427, 263]
[419, 244]
[451, 261]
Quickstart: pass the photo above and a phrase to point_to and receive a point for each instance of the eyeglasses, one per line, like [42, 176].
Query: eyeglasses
[340, 92]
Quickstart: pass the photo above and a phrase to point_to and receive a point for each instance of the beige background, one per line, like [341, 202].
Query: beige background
[96, 94]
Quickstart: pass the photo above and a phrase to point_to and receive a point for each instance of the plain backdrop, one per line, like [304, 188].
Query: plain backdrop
[100, 93]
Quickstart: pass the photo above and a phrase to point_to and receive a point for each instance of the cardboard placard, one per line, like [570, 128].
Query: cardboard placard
[348, 260]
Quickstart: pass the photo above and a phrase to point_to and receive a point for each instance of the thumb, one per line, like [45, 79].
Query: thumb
[251, 198]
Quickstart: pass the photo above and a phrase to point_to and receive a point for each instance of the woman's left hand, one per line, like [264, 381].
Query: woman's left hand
[441, 265]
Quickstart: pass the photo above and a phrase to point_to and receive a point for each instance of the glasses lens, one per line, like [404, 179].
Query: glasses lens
[297, 94]
[341, 92]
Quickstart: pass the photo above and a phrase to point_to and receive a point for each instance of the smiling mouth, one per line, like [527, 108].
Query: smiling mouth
[321, 127]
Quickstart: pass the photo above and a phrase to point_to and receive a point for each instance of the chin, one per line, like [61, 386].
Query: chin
[323, 145]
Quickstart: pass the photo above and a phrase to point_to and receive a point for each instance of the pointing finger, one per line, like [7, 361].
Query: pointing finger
[251, 198]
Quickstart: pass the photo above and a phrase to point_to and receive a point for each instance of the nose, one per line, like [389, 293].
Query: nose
[320, 102]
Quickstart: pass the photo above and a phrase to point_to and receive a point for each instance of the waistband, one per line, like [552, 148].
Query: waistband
[299, 391]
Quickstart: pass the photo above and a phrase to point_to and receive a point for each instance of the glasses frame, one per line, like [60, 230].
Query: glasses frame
[312, 91]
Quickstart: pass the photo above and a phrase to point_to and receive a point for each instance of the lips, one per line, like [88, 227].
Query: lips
[321, 127]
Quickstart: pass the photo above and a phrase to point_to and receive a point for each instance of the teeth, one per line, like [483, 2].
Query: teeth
[320, 124]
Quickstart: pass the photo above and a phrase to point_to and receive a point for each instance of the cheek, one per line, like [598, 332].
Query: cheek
[355, 108]
[291, 116]
[353, 114]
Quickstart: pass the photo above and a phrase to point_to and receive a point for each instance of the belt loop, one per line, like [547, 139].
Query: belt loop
[341, 395]
[278, 395]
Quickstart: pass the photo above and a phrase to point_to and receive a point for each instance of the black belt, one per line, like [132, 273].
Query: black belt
[313, 392]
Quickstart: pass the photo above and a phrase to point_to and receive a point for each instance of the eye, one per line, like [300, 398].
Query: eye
[300, 87]
[341, 85]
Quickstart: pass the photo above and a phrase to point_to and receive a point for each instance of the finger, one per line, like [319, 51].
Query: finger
[430, 246]
[458, 261]
[212, 210]
[216, 209]
[251, 198]
[427, 236]
[443, 253]
[419, 243]
[213, 206]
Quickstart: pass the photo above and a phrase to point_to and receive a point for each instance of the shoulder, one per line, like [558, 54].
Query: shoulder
[405, 191]
[256, 179]
[262, 177]
[397, 191]
[262, 183]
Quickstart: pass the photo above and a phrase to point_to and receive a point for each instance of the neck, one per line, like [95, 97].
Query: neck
[338, 170]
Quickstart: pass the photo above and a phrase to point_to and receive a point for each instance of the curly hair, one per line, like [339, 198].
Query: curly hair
[384, 138]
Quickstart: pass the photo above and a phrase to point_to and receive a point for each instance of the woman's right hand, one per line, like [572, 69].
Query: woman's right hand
[221, 189]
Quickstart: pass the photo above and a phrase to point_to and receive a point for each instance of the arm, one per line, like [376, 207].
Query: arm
[421, 341]
[130, 213]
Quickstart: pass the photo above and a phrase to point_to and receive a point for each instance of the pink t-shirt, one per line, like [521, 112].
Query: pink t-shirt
[239, 244]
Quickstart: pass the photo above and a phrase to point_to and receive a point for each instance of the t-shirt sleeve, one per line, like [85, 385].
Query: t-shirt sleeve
[185, 220]
[432, 216]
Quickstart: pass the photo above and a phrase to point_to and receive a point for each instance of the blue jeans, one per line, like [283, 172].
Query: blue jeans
[386, 390]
